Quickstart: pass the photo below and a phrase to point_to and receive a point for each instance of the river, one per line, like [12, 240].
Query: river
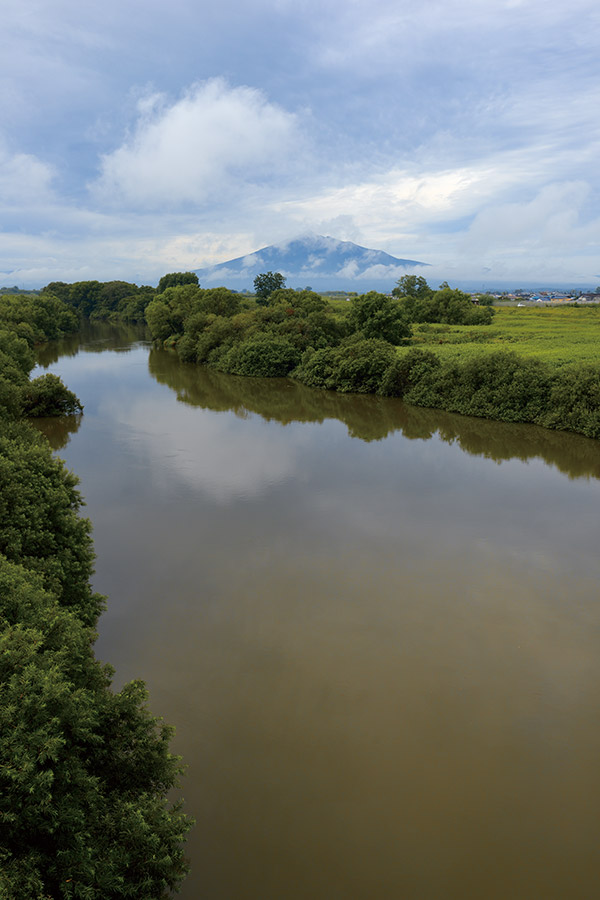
[376, 628]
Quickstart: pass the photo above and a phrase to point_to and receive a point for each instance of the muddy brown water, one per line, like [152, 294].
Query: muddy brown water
[376, 628]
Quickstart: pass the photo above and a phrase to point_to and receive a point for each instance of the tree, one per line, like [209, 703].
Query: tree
[377, 316]
[447, 306]
[452, 307]
[266, 283]
[48, 396]
[83, 770]
[60, 289]
[412, 286]
[167, 313]
[39, 525]
[219, 301]
[361, 365]
[83, 295]
[47, 315]
[173, 279]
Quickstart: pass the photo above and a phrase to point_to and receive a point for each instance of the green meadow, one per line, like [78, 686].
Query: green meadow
[556, 335]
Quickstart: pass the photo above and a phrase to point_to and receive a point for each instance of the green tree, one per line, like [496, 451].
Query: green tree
[378, 316]
[48, 396]
[356, 365]
[412, 286]
[219, 301]
[60, 289]
[45, 316]
[159, 319]
[83, 771]
[447, 305]
[266, 283]
[83, 295]
[167, 313]
[173, 279]
[39, 524]
[361, 365]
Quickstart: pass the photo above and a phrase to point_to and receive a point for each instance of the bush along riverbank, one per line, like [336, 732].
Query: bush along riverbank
[84, 770]
[368, 347]
[24, 322]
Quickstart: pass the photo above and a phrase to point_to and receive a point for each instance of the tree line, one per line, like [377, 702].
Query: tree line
[366, 348]
[84, 770]
[297, 334]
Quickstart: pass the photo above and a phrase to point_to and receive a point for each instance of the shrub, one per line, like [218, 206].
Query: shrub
[574, 401]
[361, 365]
[377, 316]
[406, 371]
[317, 368]
[268, 357]
[48, 396]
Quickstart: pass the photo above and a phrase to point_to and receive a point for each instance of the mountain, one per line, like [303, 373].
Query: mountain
[323, 263]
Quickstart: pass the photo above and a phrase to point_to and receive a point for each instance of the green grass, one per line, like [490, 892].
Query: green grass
[339, 304]
[559, 336]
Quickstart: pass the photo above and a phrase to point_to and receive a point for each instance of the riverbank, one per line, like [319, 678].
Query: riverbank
[84, 770]
[537, 366]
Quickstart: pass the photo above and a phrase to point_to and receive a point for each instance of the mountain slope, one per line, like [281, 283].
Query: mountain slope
[321, 262]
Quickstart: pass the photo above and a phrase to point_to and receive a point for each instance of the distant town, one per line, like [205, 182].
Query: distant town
[526, 298]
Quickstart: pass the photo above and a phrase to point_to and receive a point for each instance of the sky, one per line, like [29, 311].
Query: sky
[138, 138]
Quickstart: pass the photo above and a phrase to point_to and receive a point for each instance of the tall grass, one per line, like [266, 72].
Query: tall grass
[559, 336]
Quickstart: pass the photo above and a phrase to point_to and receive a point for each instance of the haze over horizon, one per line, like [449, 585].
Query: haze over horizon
[138, 140]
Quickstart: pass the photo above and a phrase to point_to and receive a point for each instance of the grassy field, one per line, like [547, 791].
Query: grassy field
[556, 335]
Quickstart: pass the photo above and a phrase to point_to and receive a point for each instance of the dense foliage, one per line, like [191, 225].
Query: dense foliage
[501, 385]
[447, 305]
[111, 300]
[25, 321]
[48, 396]
[84, 771]
[172, 279]
[38, 317]
[379, 344]
[377, 316]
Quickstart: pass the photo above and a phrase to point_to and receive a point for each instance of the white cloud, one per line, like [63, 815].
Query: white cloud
[190, 151]
[371, 35]
[105, 247]
[551, 219]
[548, 233]
[24, 179]
[400, 204]
[440, 131]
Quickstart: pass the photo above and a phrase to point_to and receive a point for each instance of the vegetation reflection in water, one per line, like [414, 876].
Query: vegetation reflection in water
[367, 417]
[372, 418]
[94, 338]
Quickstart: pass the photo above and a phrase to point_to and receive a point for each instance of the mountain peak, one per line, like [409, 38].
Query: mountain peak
[321, 261]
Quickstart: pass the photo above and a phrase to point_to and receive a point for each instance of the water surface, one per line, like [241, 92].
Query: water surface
[375, 628]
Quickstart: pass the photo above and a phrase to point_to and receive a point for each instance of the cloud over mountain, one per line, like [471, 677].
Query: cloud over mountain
[315, 260]
[136, 144]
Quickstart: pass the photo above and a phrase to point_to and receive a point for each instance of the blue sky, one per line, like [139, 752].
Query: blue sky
[138, 138]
